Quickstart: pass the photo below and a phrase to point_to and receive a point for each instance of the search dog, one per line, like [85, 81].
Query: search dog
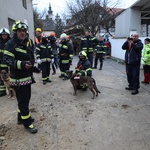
[87, 80]
[5, 78]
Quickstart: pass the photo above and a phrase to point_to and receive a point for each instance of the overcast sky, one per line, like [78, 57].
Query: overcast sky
[59, 6]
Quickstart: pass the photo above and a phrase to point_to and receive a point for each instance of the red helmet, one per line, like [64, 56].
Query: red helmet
[52, 34]
[68, 37]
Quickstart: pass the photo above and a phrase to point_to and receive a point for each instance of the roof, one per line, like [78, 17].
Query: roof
[144, 6]
[48, 25]
[115, 11]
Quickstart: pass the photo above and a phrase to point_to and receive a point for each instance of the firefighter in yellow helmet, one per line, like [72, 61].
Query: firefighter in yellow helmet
[83, 69]
[21, 62]
[38, 36]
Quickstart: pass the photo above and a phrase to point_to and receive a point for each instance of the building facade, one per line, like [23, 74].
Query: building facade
[14, 10]
[135, 19]
[48, 23]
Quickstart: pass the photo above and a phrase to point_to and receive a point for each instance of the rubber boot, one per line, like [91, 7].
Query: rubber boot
[101, 65]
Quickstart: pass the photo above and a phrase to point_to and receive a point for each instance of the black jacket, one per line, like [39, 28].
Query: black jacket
[84, 68]
[100, 48]
[133, 53]
[3, 65]
[44, 52]
[87, 44]
[65, 52]
[16, 54]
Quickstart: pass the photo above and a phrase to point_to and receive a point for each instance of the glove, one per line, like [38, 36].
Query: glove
[78, 74]
[52, 60]
[39, 61]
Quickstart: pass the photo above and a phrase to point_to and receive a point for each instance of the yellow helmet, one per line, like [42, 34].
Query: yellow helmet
[19, 25]
[82, 53]
[38, 30]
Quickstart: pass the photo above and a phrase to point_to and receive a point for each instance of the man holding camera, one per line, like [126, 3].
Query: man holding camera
[133, 47]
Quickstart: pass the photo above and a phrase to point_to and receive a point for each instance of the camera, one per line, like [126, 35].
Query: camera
[29, 63]
[130, 39]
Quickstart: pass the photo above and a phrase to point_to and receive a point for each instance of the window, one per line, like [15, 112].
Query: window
[10, 23]
[24, 4]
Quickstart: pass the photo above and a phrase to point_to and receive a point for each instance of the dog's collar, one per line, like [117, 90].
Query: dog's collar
[6, 79]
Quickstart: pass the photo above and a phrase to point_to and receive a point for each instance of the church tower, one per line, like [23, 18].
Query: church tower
[50, 12]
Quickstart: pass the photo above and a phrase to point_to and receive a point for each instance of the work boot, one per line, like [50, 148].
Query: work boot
[101, 64]
[84, 88]
[48, 80]
[135, 92]
[65, 78]
[79, 87]
[61, 76]
[129, 88]
[44, 82]
[21, 122]
[144, 82]
[2, 94]
[53, 73]
[31, 129]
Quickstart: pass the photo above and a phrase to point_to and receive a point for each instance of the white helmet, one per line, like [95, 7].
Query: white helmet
[4, 31]
[63, 36]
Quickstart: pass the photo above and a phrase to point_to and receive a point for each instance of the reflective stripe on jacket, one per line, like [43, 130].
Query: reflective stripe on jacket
[146, 54]
[87, 44]
[15, 55]
[44, 52]
[84, 68]
[65, 52]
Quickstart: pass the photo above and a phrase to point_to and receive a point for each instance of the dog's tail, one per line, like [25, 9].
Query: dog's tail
[94, 85]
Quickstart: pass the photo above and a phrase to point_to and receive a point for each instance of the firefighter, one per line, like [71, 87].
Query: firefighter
[44, 56]
[88, 44]
[38, 36]
[21, 61]
[55, 50]
[65, 56]
[38, 39]
[83, 69]
[100, 51]
[4, 37]
[146, 61]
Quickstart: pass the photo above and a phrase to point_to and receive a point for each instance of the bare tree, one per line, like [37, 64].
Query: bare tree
[59, 25]
[93, 14]
[38, 17]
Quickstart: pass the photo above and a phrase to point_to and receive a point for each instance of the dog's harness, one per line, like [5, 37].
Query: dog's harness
[7, 79]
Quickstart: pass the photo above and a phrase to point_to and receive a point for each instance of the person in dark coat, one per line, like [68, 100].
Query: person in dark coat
[21, 61]
[44, 57]
[133, 47]
[65, 56]
[83, 69]
[87, 44]
[100, 51]
[4, 37]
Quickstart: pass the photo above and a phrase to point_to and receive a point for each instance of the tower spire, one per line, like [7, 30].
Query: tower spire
[50, 12]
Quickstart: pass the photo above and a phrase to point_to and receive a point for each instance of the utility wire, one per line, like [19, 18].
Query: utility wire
[50, 3]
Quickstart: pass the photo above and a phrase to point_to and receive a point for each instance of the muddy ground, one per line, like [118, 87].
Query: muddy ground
[116, 120]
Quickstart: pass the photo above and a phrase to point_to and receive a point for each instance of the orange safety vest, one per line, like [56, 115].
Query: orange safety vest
[37, 41]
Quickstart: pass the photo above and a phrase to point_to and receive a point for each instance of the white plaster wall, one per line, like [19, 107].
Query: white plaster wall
[123, 24]
[116, 50]
[13, 9]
